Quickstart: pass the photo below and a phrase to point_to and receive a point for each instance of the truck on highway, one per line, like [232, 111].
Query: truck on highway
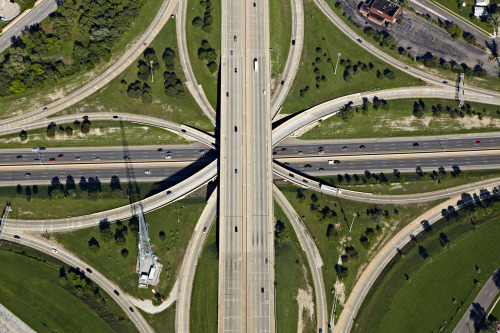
[330, 188]
[255, 65]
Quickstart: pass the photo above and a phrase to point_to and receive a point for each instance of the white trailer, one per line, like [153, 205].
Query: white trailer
[255, 65]
[330, 188]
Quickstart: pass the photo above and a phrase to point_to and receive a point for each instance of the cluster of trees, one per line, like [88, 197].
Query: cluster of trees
[332, 234]
[350, 254]
[454, 30]
[303, 92]
[320, 55]
[91, 28]
[208, 53]
[119, 236]
[346, 113]
[53, 129]
[428, 60]
[382, 37]
[138, 90]
[75, 282]
[28, 192]
[206, 23]
[354, 69]
[438, 110]
[342, 271]
[369, 236]
[387, 73]
[173, 85]
[280, 232]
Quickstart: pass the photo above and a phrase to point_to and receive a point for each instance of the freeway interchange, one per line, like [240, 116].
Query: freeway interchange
[246, 154]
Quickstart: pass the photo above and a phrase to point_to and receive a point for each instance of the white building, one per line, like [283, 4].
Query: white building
[480, 11]
[482, 3]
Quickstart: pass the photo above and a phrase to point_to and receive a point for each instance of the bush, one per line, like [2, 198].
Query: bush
[85, 128]
[23, 135]
[124, 253]
[94, 245]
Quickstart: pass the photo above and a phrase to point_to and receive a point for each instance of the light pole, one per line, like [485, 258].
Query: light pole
[151, 64]
[338, 58]
[353, 217]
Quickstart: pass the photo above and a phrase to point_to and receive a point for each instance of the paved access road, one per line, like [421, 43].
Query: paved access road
[482, 302]
[46, 247]
[190, 261]
[384, 256]
[36, 15]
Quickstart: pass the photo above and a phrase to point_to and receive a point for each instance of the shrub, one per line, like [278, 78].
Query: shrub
[124, 253]
[23, 135]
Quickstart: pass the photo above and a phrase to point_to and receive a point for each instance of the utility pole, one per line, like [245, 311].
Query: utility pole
[353, 217]
[338, 58]
[151, 65]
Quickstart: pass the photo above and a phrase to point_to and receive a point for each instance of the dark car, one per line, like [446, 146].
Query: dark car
[416, 144]
[236, 128]
[89, 270]
[227, 94]
[60, 155]
[336, 162]
[236, 70]
[235, 38]
[362, 147]
[262, 289]
[43, 148]
[19, 156]
[275, 153]
[321, 169]
[284, 149]
[159, 149]
[205, 229]
[131, 310]
[169, 192]
[307, 166]
[293, 41]
[17, 237]
[267, 260]
[282, 82]
[344, 148]
[115, 117]
[118, 294]
[291, 175]
[45, 108]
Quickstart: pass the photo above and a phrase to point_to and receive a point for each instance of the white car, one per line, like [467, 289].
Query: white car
[264, 91]
[147, 172]
[168, 157]
[77, 158]
[27, 175]
[54, 250]
[201, 152]
[34, 149]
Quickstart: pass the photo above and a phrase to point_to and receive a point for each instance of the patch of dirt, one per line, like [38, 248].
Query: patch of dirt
[305, 301]
[474, 122]
[56, 94]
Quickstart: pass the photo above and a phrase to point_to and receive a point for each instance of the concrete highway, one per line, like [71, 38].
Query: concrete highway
[420, 74]
[483, 300]
[313, 257]
[46, 247]
[384, 256]
[194, 88]
[37, 15]
[190, 261]
[284, 83]
[128, 58]
[187, 132]
[10, 323]
[173, 193]
[328, 109]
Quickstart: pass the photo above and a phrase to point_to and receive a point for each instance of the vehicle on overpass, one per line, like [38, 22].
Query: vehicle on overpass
[330, 188]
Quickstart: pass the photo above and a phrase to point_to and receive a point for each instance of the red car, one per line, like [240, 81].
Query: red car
[478, 142]
[284, 149]
[321, 150]
[52, 159]
[85, 117]
[60, 155]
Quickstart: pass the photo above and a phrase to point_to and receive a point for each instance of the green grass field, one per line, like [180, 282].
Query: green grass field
[440, 288]
[411, 182]
[19, 104]
[163, 321]
[194, 36]
[109, 260]
[399, 121]
[291, 273]
[490, 83]
[30, 289]
[45, 206]
[280, 21]
[465, 13]
[113, 97]
[204, 297]
[317, 28]
[102, 133]
[331, 250]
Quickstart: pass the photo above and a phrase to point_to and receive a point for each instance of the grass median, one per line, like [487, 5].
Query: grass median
[280, 20]
[163, 321]
[399, 120]
[204, 297]
[115, 96]
[408, 183]
[441, 273]
[29, 287]
[295, 296]
[102, 134]
[169, 228]
[316, 81]
[329, 219]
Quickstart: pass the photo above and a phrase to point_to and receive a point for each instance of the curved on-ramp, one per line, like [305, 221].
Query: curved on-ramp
[182, 130]
[149, 204]
[125, 60]
[45, 246]
[327, 109]
[384, 256]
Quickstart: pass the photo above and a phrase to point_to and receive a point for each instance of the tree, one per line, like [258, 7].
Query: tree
[28, 193]
[493, 20]
[418, 110]
[212, 67]
[94, 245]
[51, 130]
[197, 22]
[85, 128]
[124, 253]
[17, 87]
[68, 130]
[332, 234]
[162, 236]
[314, 198]
[23, 135]
[119, 237]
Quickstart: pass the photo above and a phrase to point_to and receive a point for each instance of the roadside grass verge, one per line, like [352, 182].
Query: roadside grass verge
[29, 287]
[291, 274]
[408, 183]
[169, 248]
[81, 199]
[465, 12]
[441, 286]
[280, 19]
[102, 133]
[195, 35]
[163, 321]
[490, 83]
[400, 121]
[322, 41]
[20, 103]
[389, 218]
[114, 98]
[204, 297]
